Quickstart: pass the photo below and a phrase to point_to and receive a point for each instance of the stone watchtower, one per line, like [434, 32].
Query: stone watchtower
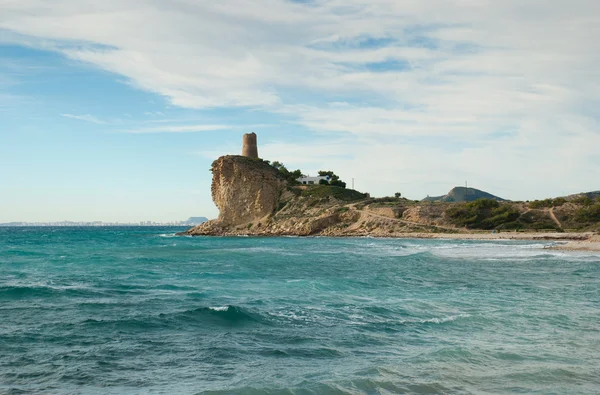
[249, 148]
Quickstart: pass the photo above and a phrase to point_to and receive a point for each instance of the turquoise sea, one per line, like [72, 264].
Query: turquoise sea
[140, 310]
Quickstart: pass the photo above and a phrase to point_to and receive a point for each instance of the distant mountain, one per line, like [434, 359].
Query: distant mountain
[591, 195]
[462, 194]
[196, 220]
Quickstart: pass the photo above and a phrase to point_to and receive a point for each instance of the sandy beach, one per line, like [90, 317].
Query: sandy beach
[566, 241]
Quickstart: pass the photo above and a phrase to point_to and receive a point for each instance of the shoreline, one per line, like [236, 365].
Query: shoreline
[567, 241]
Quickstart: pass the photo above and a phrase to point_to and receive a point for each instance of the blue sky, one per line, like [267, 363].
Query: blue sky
[114, 110]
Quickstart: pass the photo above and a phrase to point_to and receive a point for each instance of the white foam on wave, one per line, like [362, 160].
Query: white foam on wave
[219, 308]
[491, 250]
[444, 319]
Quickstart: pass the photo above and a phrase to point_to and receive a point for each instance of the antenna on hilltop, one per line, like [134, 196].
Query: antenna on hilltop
[466, 192]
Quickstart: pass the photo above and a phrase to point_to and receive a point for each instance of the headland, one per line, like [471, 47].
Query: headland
[257, 198]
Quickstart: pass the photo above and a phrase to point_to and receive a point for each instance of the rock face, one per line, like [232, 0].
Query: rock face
[244, 190]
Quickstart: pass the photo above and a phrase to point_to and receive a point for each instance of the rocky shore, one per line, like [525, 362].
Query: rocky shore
[255, 200]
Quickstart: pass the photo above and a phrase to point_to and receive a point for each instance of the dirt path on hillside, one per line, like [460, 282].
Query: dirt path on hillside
[365, 214]
[551, 211]
[398, 220]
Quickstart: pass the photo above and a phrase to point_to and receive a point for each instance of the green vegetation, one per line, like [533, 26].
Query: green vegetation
[385, 199]
[547, 203]
[290, 176]
[293, 190]
[397, 195]
[482, 214]
[559, 202]
[490, 214]
[390, 201]
[334, 179]
[536, 204]
[256, 163]
[588, 214]
[327, 191]
[583, 200]
[535, 220]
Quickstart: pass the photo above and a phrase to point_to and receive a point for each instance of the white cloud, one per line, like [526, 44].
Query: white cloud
[179, 129]
[154, 114]
[85, 117]
[459, 72]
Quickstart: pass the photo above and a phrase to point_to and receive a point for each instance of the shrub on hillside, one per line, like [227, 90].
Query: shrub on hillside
[546, 203]
[327, 191]
[537, 220]
[334, 179]
[290, 176]
[482, 214]
[385, 199]
[583, 200]
[588, 214]
[338, 183]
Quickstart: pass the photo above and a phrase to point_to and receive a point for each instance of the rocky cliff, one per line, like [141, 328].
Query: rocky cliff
[244, 190]
[255, 199]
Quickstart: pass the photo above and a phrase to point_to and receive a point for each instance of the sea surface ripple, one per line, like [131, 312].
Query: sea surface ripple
[140, 310]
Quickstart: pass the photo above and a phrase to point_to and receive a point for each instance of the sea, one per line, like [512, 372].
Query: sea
[140, 310]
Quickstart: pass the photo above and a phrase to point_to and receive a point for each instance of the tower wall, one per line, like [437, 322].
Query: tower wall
[249, 147]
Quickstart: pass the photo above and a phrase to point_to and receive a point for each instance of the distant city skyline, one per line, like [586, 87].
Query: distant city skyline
[103, 116]
[188, 222]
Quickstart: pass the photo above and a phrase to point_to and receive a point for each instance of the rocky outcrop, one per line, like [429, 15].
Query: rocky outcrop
[245, 190]
[254, 199]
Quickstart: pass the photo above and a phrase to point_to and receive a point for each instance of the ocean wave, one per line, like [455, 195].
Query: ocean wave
[42, 291]
[220, 308]
[233, 315]
[202, 317]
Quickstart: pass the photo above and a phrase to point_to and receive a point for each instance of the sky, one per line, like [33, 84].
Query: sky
[114, 110]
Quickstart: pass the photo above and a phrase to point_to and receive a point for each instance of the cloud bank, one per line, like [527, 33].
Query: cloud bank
[414, 92]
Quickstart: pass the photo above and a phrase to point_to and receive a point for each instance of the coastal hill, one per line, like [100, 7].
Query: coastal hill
[462, 194]
[590, 195]
[256, 198]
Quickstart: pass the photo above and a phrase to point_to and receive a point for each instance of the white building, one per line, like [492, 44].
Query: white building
[312, 180]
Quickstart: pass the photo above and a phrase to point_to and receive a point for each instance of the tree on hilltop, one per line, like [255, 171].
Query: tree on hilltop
[334, 179]
[290, 176]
